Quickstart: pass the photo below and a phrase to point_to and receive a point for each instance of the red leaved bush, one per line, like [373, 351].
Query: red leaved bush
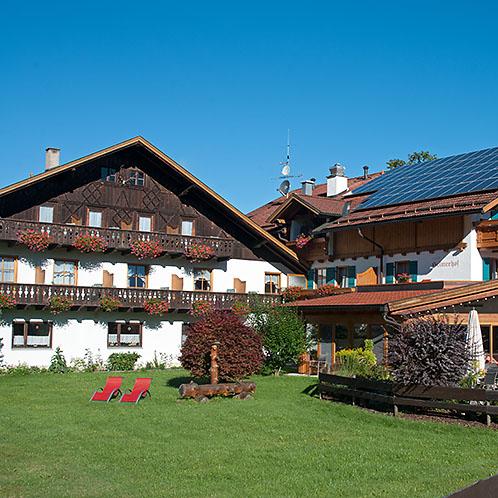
[240, 350]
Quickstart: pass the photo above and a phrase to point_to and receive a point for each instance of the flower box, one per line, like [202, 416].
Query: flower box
[146, 249]
[33, 240]
[199, 252]
[201, 308]
[90, 243]
[59, 304]
[109, 304]
[7, 302]
[302, 240]
[156, 307]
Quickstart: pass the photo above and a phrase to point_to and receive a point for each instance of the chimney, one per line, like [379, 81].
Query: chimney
[52, 157]
[365, 172]
[336, 181]
[308, 186]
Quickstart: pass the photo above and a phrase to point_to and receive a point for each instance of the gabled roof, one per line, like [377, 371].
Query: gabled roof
[318, 203]
[235, 222]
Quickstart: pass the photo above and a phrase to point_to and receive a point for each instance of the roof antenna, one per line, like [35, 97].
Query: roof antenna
[285, 174]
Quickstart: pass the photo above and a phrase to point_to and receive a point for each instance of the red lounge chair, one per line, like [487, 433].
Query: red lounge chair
[139, 391]
[111, 390]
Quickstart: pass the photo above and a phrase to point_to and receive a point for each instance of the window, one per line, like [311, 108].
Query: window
[108, 174]
[94, 219]
[32, 334]
[137, 276]
[202, 280]
[401, 271]
[65, 272]
[272, 283]
[137, 178]
[7, 272]
[341, 276]
[46, 214]
[296, 281]
[321, 277]
[145, 223]
[124, 334]
[187, 227]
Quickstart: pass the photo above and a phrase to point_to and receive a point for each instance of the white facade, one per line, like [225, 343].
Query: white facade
[77, 331]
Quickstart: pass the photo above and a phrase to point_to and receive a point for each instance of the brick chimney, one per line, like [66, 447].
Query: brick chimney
[52, 157]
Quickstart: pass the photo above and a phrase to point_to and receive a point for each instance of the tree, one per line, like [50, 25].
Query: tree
[429, 351]
[413, 158]
[240, 349]
[283, 332]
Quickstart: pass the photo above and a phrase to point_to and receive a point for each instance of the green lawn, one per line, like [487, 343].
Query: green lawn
[53, 442]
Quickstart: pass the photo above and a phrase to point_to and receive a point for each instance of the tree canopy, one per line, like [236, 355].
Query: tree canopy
[413, 158]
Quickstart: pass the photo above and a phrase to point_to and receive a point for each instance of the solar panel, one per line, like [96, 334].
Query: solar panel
[472, 172]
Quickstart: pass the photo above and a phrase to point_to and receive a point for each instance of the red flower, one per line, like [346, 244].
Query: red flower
[35, 241]
[7, 302]
[199, 252]
[201, 308]
[302, 240]
[156, 307]
[90, 243]
[145, 249]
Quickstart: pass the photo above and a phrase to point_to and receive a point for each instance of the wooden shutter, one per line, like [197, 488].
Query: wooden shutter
[390, 273]
[239, 286]
[368, 277]
[310, 281]
[39, 275]
[108, 279]
[330, 276]
[413, 270]
[351, 276]
[176, 283]
[125, 225]
[171, 230]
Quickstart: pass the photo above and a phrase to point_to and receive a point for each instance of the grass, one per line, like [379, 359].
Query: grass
[54, 442]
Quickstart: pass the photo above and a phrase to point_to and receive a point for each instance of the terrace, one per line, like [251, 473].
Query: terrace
[118, 240]
[130, 299]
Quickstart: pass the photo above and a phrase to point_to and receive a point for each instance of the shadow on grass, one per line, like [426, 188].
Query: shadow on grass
[176, 382]
[311, 390]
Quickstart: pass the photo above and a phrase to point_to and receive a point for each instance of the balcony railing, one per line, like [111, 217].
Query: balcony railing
[487, 234]
[120, 240]
[130, 299]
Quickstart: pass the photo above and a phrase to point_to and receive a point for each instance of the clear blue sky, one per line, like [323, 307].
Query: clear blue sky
[216, 84]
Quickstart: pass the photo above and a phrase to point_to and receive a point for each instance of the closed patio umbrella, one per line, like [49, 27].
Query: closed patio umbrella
[474, 340]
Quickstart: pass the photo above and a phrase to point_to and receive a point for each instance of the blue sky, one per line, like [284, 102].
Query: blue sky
[216, 85]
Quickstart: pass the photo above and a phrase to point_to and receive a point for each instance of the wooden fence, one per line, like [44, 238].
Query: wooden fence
[397, 395]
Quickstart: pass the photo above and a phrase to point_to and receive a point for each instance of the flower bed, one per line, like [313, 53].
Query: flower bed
[90, 243]
[7, 302]
[59, 304]
[199, 252]
[33, 240]
[146, 249]
[109, 304]
[156, 307]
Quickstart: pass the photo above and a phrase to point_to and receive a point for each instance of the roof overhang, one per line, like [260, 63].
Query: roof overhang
[193, 191]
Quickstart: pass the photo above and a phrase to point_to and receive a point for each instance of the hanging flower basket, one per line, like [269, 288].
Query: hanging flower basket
[90, 243]
[146, 249]
[302, 240]
[199, 252]
[156, 307]
[7, 302]
[201, 308]
[109, 304]
[33, 240]
[291, 294]
[241, 309]
[59, 304]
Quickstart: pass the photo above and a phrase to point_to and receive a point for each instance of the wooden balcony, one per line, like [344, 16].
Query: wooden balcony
[487, 234]
[314, 250]
[38, 296]
[118, 240]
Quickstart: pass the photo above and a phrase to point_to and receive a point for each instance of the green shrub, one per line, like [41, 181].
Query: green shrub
[21, 369]
[122, 361]
[358, 361]
[58, 362]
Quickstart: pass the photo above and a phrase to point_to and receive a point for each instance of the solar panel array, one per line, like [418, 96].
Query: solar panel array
[471, 172]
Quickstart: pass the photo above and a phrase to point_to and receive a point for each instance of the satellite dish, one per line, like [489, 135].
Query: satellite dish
[284, 187]
[286, 170]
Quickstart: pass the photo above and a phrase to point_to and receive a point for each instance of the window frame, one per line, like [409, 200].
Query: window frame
[15, 264]
[397, 272]
[146, 276]
[25, 344]
[199, 270]
[302, 275]
[110, 175]
[279, 284]
[75, 263]
[320, 277]
[192, 222]
[40, 211]
[119, 332]
[343, 277]
[94, 210]
[134, 177]
[150, 217]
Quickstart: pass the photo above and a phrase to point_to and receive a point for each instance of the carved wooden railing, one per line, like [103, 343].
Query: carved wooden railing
[64, 235]
[39, 295]
[487, 234]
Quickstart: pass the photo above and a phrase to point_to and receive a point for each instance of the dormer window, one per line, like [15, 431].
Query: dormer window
[137, 178]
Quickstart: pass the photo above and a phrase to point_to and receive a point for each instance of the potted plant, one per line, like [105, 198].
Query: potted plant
[108, 304]
[59, 304]
[90, 243]
[302, 240]
[156, 307]
[33, 240]
[403, 278]
[199, 252]
[7, 302]
[146, 249]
